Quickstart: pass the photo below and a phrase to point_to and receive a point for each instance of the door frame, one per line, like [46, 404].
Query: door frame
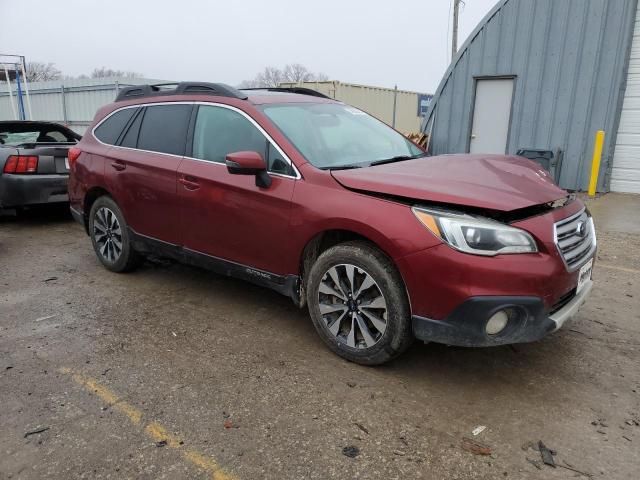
[472, 110]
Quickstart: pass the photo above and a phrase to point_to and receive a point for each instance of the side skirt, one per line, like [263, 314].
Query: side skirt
[287, 285]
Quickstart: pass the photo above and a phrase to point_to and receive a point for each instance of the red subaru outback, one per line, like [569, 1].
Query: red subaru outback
[331, 207]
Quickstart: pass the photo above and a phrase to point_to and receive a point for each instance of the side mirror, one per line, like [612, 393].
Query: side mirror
[249, 163]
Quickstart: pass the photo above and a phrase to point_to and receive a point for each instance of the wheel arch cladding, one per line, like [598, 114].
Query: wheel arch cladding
[89, 199]
[326, 239]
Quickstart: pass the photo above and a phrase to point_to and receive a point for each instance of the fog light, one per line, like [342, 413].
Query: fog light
[497, 322]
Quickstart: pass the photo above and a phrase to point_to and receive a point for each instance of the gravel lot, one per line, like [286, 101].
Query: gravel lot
[174, 372]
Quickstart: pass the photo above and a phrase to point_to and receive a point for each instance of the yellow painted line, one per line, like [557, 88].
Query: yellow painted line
[158, 433]
[153, 430]
[613, 267]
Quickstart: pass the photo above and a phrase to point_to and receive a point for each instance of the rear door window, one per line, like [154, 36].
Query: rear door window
[164, 128]
[109, 130]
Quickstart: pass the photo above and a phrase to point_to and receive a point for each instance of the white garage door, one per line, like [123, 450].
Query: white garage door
[625, 175]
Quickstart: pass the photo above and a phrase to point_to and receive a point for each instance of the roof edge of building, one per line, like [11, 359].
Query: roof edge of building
[465, 46]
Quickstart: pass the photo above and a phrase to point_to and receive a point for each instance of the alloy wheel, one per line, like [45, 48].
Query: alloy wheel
[352, 306]
[107, 234]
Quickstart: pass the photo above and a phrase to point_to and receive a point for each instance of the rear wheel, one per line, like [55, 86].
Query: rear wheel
[110, 236]
[358, 304]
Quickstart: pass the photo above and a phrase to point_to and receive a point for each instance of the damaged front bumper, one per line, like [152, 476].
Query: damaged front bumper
[528, 320]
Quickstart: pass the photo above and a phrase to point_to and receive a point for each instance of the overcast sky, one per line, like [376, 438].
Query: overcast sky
[371, 42]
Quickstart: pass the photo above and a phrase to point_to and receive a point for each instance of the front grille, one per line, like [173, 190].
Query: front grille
[575, 238]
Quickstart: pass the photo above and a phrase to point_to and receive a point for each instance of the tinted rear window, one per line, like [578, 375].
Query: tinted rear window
[19, 133]
[164, 128]
[130, 138]
[111, 128]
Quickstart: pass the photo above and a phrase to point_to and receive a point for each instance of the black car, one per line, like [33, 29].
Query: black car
[33, 163]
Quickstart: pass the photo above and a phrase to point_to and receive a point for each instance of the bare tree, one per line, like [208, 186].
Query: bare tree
[298, 73]
[272, 76]
[104, 72]
[41, 72]
[320, 77]
[250, 84]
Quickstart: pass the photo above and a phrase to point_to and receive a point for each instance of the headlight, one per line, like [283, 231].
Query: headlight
[477, 235]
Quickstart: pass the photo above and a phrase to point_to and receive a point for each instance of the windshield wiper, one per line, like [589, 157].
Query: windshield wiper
[345, 167]
[399, 158]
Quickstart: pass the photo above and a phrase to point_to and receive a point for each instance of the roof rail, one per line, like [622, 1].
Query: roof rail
[299, 90]
[182, 88]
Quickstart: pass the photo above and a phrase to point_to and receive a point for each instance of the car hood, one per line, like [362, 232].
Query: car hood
[496, 182]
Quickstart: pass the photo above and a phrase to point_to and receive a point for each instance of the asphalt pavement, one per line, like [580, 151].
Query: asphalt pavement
[172, 372]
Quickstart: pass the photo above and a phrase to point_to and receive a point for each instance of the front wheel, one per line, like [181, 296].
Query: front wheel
[110, 236]
[358, 304]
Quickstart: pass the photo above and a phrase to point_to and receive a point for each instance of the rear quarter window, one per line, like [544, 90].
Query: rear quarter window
[130, 139]
[111, 128]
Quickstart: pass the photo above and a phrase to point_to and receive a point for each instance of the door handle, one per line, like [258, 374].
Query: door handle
[118, 166]
[189, 182]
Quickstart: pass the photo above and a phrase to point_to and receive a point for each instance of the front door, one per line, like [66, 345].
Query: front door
[491, 116]
[227, 216]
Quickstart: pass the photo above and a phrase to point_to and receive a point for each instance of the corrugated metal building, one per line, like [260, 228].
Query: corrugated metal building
[410, 107]
[547, 74]
[71, 102]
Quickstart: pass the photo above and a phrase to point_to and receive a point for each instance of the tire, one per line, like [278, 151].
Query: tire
[113, 248]
[373, 331]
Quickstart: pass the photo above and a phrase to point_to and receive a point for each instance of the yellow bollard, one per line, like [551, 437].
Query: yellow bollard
[595, 162]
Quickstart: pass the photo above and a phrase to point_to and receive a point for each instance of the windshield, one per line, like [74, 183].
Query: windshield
[333, 136]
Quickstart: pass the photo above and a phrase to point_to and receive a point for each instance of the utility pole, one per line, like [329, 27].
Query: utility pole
[454, 38]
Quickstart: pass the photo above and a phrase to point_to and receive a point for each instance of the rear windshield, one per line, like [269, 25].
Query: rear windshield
[19, 134]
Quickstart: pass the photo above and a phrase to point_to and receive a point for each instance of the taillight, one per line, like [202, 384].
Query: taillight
[72, 156]
[21, 164]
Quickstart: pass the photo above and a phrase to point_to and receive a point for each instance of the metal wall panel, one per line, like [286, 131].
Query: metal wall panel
[625, 175]
[373, 100]
[569, 58]
[76, 108]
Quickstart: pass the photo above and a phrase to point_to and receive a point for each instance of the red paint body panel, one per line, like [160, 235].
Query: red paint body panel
[87, 172]
[321, 204]
[441, 278]
[231, 218]
[251, 160]
[494, 182]
[145, 191]
[201, 206]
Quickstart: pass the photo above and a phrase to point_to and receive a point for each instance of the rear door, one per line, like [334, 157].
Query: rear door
[227, 216]
[141, 169]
